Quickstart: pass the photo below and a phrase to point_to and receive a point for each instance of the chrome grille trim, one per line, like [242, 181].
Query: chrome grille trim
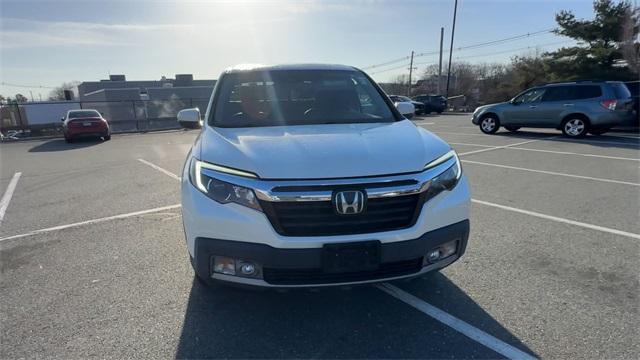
[263, 188]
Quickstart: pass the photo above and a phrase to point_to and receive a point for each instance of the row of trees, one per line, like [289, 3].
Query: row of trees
[56, 94]
[607, 48]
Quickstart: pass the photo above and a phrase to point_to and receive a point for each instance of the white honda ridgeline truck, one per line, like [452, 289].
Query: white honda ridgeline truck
[307, 175]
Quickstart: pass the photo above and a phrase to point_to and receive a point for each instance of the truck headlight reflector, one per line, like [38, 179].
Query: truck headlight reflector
[221, 191]
[446, 180]
[224, 265]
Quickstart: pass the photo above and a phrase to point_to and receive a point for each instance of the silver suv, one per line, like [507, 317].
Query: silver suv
[573, 107]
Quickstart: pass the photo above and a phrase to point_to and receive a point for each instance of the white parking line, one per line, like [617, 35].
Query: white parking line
[559, 219]
[166, 172]
[453, 322]
[504, 146]
[550, 151]
[8, 194]
[470, 144]
[577, 154]
[89, 222]
[558, 138]
[552, 173]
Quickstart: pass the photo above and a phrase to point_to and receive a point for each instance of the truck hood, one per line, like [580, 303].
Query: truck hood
[322, 151]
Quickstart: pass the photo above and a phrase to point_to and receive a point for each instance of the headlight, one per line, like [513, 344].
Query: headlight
[221, 191]
[448, 179]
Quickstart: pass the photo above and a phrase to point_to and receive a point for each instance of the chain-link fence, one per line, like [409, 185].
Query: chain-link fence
[34, 119]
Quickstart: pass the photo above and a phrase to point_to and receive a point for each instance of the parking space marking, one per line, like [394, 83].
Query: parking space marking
[8, 194]
[90, 222]
[166, 172]
[453, 322]
[552, 173]
[504, 146]
[559, 219]
[586, 141]
[605, 142]
[577, 154]
[550, 151]
[469, 144]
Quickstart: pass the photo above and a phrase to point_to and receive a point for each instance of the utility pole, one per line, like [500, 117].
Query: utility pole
[440, 65]
[453, 31]
[410, 73]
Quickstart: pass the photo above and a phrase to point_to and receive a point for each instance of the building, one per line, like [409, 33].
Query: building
[119, 88]
[119, 99]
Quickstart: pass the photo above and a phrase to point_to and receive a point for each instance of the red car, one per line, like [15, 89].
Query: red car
[85, 123]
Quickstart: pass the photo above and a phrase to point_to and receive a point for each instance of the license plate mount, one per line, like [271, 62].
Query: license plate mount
[87, 123]
[351, 257]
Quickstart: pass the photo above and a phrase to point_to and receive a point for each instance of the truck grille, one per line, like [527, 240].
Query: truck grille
[318, 218]
[317, 276]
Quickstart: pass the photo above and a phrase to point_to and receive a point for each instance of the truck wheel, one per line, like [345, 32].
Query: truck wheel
[512, 128]
[575, 127]
[107, 137]
[68, 140]
[489, 124]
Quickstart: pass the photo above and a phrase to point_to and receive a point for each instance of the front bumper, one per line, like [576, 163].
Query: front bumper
[302, 267]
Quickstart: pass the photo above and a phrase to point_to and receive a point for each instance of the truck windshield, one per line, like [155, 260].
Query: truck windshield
[297, 97]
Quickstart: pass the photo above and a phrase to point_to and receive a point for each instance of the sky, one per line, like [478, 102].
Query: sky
[46, 43]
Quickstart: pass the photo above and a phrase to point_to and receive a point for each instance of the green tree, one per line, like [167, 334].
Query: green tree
[599, 50]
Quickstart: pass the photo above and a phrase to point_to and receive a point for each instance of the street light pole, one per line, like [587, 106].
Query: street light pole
[453, 31]
[440, 63]
[410, 73]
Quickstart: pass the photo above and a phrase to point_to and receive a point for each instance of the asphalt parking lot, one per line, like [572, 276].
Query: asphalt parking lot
[94, 263]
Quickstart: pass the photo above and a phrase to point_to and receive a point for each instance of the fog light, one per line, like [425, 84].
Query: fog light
[433, 255]
[224, 265]
[247, 269]
[448, 249]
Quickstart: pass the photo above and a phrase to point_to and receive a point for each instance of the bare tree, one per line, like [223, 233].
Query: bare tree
[630, 45]
[21, 98]
[58, 92]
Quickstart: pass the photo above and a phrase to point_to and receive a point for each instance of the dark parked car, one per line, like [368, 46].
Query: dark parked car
[85, 123]
[575, 107]
[432, 103]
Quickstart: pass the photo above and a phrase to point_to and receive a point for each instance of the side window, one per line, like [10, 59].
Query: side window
[530, 96]
[560, 93]
[588, 92]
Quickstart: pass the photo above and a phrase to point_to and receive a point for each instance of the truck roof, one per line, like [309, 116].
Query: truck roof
[253, 67]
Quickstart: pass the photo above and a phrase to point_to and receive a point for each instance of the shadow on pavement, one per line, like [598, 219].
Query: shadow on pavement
[62, 145]
[361, 322]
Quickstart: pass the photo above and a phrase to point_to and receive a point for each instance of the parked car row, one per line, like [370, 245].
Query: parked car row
[576, 108]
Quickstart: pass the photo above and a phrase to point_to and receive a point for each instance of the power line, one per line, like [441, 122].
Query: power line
[472, 46]
[502, 51]
[513, 50]
[27, 86]
[389, 69]
[386, 63]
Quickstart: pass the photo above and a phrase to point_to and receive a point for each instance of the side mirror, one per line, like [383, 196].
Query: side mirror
[405, 108]
[190, 118]
[62, 118]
